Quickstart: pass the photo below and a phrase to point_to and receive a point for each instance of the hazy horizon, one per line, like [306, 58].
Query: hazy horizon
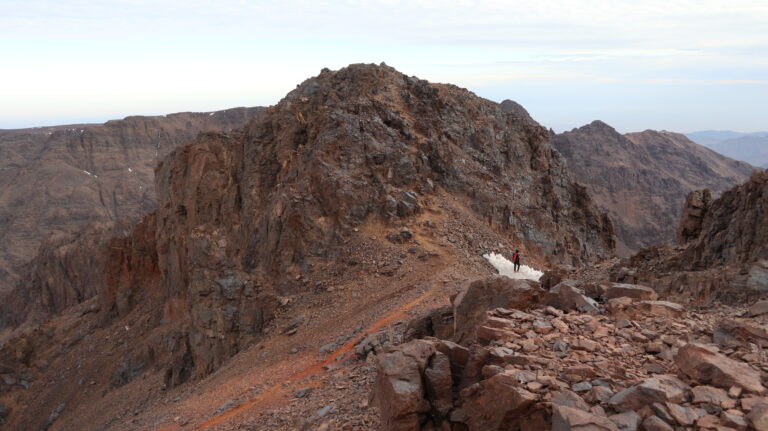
[666, 65]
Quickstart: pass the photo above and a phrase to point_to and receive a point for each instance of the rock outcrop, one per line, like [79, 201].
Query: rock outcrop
[696, 206]
[726, 260]
[641, 179]
[58, 180]
[544, 368]
[346, 147]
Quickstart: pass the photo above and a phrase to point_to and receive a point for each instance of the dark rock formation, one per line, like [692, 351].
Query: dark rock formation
[57, 180]
[696, 205]
[727, 260]
[641, 179]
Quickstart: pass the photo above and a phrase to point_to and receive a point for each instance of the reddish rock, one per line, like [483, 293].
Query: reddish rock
[711, 395]
[758, 308]
[399, 389]
[734, 421]
[658, 389]
[654, 308]
[494, 402]
[569, 399]
[654, 423]
[566, 418]
[596, 290]
[696, 205]
[730, 332]
[708, 421]
[634, 291]
[471, 305]
[705, 366]
[567, 297]
[556, 275]
[684, 416]
[439, 384]
[626, 421]
[758, 417]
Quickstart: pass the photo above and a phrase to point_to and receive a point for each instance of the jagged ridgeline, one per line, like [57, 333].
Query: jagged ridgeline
[249, 218]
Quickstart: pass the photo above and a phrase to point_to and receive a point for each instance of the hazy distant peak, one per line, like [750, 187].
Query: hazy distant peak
[596, 126]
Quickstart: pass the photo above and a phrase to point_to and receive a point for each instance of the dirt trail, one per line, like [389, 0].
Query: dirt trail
[278, 390]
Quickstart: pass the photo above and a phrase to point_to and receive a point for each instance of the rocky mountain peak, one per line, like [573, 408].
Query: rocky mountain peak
[517, 109]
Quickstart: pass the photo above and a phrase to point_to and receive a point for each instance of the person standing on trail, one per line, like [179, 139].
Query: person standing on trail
[516, 260]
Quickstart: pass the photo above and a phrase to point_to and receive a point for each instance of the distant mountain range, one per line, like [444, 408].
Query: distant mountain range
[641, 179]
[749, 147]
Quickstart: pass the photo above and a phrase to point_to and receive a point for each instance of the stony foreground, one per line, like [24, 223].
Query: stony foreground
[612, 359]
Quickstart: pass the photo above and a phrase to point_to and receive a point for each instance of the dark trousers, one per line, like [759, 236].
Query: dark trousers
[517, 266]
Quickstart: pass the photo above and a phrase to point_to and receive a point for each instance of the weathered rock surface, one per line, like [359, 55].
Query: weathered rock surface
[56, 180]
[726, 262]
[655, 390]
[565, 296]
[634, 364]
[471, 305]
[705, 366]
[618, 290]
[696, 205]
[642, 179]
[67, 190]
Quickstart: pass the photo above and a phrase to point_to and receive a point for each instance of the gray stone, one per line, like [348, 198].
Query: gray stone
[626, 421]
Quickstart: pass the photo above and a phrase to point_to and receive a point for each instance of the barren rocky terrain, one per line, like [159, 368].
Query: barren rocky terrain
[322, 268]
[641, 179]
[57, 180]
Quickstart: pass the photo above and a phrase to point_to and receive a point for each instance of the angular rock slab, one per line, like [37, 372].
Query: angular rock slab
[707, 367]
[659, 389]
[634, 291]
[471, 305]
[566, 418]
[493, 403]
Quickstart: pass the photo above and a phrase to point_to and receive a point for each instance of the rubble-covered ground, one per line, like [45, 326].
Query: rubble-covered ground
[600, 356]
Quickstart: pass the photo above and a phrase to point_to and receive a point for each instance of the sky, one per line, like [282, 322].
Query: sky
[680, 65]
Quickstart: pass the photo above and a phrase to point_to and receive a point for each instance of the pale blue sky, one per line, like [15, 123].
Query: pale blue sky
[675, 65]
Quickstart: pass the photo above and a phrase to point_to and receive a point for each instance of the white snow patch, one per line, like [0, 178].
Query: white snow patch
[130, 170]
[505, 267]
[211, 113]
[89, 174]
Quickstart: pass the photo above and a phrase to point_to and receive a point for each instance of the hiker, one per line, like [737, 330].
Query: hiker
[516, 260]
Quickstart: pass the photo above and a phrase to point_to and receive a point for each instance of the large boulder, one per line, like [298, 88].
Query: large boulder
[439, 385]
[708, 367]
[471, 305]
[495, 403]
[730, 333]
[399, 386]
[556, 275]
[654, 308]
[566, 296]
[659, 389]
[566, 418]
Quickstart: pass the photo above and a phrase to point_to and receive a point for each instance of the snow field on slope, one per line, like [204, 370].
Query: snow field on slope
[505, 267]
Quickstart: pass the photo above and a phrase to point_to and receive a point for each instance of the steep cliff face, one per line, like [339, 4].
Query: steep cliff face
[725, 257]
[57, 180]
[641, 179]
